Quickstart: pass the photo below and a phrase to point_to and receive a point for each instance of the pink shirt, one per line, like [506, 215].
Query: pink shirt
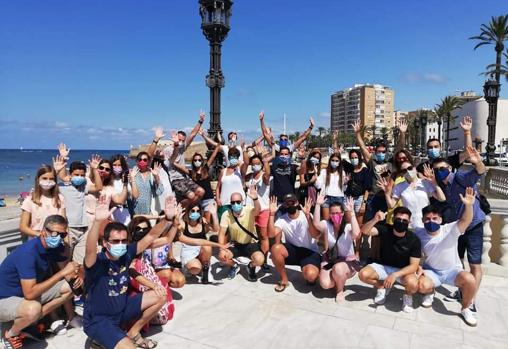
[40, 213]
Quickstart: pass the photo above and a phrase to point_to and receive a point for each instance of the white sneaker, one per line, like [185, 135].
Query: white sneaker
[428, 299]
[76, 322]
[381, 295]
[407, 303]
[468, 317]
[58, 327]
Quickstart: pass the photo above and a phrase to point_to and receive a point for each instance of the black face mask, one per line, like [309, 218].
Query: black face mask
[399, 225]
[292, 209]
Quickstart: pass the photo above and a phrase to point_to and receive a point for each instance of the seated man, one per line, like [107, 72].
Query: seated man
[26, 292]
[239, 222]
[442, 263]
[107, 306]
[400, 252]
[300, 234]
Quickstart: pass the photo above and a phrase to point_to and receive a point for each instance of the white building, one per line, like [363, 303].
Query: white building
[433, 131]
[479, 110]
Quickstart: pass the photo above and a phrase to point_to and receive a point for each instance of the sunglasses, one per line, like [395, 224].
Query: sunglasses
[380, 152]
[102, 168]
[55, 233]
[143, 160]
[118, 241]
[410, 168]
[236, 202]
[402, 159]
[196, 210]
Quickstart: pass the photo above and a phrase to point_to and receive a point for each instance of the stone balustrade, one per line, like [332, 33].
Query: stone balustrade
[496, 183]
[495, 233]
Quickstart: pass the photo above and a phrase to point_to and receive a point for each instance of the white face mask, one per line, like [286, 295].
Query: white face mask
[47, 184]
[197, 163]
[410, 175]
[256, 168]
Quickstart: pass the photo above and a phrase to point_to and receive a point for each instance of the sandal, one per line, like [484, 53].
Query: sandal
[280, 287]
[144, 343]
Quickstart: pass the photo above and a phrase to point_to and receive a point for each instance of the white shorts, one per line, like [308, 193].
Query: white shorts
[384, 270]
[189, 253]
[440, 277]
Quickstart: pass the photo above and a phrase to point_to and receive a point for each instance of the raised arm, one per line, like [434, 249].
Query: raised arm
[476, 160]
[134, 185]
[264, 130]
[467, 216]
[349, 213]
[429, 176]
[466, 125]
[59, 163]
[212, 157]
[273, 231]
[387, 185]
[306, 134]
[195, 130]
[207, 139]
[357, 127]
[102, 213]
[314, 232]
[158, 134]
[401, 142]
[97, 181]
[253, 194]
[369, 227]
[320, 225]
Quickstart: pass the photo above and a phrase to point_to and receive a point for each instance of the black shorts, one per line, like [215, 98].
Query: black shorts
[244, 250]
[301, 256]
[472, 241]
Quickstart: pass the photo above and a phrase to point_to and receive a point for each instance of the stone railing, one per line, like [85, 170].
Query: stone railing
[495, 183]
[495, 233]
[10, 237]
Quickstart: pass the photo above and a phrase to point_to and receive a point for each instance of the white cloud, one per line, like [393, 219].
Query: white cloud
[424, 78]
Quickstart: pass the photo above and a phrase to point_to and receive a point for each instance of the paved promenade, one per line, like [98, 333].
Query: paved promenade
[239, 314]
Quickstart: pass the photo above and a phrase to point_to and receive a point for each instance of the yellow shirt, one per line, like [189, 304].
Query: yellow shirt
[389, 214]
[246, 218]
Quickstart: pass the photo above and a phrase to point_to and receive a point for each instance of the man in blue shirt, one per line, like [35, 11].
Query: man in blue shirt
[28, 290]
[107, 306]
[454, 185]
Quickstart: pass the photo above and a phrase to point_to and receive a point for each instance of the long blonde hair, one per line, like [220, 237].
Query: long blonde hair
[36, 195]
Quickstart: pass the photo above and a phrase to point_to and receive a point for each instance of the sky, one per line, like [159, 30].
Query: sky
[101, 74]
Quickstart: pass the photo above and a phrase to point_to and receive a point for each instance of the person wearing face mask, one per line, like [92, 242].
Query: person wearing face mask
[107, 306]
[284, 175]
[414, 192]
[400, 253]
[309, 174]
[283, 139]
[261, 179]
[456, 160]
[74, 188]
[29, 290]
[44, 201]
[300, 246]
[360, 181]
[331, 183]
[231, 180]
[442, 263]
[121, 188]
[146, 184]
[239, 223]
[454, 185]
[338, 234]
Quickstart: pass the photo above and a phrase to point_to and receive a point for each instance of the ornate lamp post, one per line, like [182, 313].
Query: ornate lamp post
[215, 17]
[491, 92]
[415, 137]
[423, 125]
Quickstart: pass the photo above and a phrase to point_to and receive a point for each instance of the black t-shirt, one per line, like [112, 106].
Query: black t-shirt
[359, 183]
[453, 160]
[284, 178]
[395, 251]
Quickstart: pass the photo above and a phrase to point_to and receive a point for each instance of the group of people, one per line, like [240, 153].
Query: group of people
[100, 235]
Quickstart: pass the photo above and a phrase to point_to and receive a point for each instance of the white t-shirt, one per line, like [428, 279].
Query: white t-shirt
[263, 191]
[230, 184]
[159, 201]
[296, 231]
[414, 199]
[174, 174]
[441, 250]
[333, 188]
[344, 246]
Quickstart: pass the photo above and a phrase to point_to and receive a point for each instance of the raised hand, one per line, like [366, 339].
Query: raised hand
[253, 192]
[335, 135]
[402, 125]
[133, 172]
[64, 151]
[311, 121]
[156, 169]
[59, 163]
[102, 210]
[349, 204]
[301, 151]
[201, 132]
[159, 133]
[94, 161]
[260, 149]
[170, 207]
[385, 184]
[466, 123]
[308, 205]
[174, 137]
[273, 205]
[357, 126]
[474, 155]
[320, 199]
[429, 174]
[202, 117]
[242, 142]
[261, 115]
[469, 197]
[380, 216]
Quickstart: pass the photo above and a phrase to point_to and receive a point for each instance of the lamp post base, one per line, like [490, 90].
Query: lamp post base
[490, 162]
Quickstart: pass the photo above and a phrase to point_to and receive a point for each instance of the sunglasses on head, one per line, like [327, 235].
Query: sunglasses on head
[236, 202]
[55, 233]
[102, 168]
[409, 168]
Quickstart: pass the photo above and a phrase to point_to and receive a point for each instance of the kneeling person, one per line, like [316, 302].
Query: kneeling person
[239, 221]
[442, 263]
[400, 253]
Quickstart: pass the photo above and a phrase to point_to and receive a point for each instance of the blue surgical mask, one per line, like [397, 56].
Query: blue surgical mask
[233, 161]
[77, 180]
[284, 159]
[236, 207]
[432, 227]
[434, 153]
[380, 157]
[334, 164]
[118, 250]
[283, 143]
[354, 162]
[442, 174]
[53, 241]
[194, 216]
[314, 160]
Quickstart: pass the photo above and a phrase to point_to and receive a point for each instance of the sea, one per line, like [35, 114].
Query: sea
[18, 167]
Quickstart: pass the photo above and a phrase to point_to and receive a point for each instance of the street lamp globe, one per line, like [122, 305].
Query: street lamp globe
[491, 90]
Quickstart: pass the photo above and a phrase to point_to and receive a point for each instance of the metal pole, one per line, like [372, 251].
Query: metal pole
[491, 141]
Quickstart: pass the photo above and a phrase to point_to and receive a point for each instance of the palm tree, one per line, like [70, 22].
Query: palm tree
[503, 69]
[321, 131]
[448, 105]
[384, 133]
[496, 32]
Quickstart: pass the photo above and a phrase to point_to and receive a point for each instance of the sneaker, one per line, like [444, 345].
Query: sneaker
[76, 322]
[14, 342]
[468, 317]
[58, 327]
[34, 332]
[252, 273]
[428, 299]
[233, 271]
[454, 296]
[473, 308]
[79, 305]
[407, 303]
[381, 295]
[204, 275]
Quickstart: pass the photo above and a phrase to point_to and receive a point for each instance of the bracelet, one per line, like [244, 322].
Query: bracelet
[200, 122]
[257, 198]
[467, 132]
[154, 141]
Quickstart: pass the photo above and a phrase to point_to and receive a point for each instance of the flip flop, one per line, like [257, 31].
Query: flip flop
[280, 287]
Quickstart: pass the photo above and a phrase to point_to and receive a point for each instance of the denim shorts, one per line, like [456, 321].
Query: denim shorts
[384, 270]
[472, 241]
[329, 200]
[440, 277]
